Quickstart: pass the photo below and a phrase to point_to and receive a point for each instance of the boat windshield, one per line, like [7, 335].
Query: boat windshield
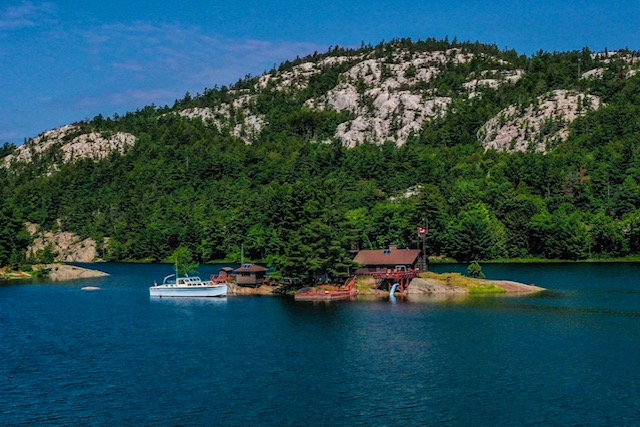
[182, 281]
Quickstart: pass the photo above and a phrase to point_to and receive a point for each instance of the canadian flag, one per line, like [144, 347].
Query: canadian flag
[422, 231]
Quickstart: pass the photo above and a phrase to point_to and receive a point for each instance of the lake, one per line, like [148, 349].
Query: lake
[115, 357]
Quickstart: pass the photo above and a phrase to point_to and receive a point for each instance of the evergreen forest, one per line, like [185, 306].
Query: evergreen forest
[299, 200]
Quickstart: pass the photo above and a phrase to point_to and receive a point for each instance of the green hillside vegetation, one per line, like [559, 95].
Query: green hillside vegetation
[303, 204]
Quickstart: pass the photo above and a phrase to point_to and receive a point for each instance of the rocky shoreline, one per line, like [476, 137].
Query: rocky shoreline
[56, 272]
[428, 285]
[13, 275]
[233, 289]
[435, 286]
[61, 272]
[455, 284]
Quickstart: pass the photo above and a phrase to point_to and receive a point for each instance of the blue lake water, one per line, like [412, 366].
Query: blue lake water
[115, 357]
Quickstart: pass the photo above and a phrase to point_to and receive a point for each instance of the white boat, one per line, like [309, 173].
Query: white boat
[188, 287]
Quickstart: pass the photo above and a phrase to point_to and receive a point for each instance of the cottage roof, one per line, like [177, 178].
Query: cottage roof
[387, 257]
[250, 268]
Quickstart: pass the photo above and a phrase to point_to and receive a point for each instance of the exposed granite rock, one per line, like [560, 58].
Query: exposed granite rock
[298, 77]
[538, 127]
[234, 289]
[608, 57]
[428, 286]
[40, 144]
[389, 96]
[596, 73]
[67, 246]
[61, 272]
[94, 145]
[511, 287]
[492, 79]
[238, 116]
[421, 286]
[5, 274]
[386, 95]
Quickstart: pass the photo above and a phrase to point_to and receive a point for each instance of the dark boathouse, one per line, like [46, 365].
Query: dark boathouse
[250, 275]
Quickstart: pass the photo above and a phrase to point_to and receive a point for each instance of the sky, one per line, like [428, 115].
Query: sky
[65, 61]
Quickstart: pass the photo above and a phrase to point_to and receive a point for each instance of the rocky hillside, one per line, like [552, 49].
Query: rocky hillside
[504, 155]
[388, 93]
[538, 127]
[62, 246]
[392, 97]
[69, 144]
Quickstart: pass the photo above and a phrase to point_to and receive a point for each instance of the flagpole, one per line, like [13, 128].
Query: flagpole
[424, 248]
[422, 232]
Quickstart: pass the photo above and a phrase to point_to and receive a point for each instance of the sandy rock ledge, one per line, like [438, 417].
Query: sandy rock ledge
[62, 272]
[454, 284]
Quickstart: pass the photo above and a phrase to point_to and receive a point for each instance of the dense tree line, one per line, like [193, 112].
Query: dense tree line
[13, 238]
[305, 206]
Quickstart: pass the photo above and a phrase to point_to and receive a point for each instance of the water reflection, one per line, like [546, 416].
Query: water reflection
[436, 298]
[188, 301]
[569, 355]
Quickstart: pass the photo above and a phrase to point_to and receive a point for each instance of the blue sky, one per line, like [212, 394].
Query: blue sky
[63, 61]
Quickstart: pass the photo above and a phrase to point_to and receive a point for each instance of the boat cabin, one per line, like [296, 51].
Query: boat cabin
[251, 275]
[182, 281]
[372, 261]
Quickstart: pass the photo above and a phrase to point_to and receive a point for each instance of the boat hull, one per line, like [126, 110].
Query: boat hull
[219, 290]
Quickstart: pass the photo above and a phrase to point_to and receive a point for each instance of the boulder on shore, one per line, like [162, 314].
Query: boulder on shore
[512, 287]
[5, 274]
[61, 272]
[453, 283]
[66, 246]
[425, 286]
[234, 289]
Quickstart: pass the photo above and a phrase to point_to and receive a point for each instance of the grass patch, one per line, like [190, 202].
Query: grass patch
[365, 283]
[488, 288]
[14, 275]
[457, 280]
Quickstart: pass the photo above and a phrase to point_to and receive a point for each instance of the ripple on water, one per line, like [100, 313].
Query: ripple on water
[569, 356]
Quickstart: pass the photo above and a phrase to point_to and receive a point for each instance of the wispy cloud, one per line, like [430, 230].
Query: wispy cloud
[116, 68]
[159, 63]
[27, 14]
[128, 66]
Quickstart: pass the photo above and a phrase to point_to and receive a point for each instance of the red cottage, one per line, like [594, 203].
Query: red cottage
[388, 259]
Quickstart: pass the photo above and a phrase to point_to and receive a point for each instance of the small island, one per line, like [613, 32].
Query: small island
[404, 272]
[426, 284]
[61, 272]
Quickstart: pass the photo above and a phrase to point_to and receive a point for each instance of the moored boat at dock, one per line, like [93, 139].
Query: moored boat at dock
[187, 286]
